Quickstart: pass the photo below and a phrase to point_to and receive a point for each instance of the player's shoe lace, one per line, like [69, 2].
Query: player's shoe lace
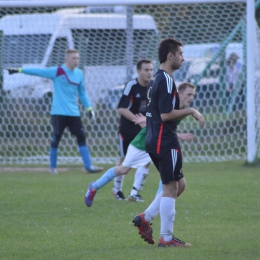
[119, 195]
[89, 196]
[53, 171]
[135, 198]
[144, 228]
[174, 242]
[94, 169]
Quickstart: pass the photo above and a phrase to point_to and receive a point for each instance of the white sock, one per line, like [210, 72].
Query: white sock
[140, 176]
[153, 209]
[167, 214]
[118, 183]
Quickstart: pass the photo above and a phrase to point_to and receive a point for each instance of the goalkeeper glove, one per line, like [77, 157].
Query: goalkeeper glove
[91, 114]
[12, 71]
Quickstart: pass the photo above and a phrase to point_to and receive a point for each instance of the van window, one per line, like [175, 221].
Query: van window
[25, 49]
[108, 47]
[58, 52]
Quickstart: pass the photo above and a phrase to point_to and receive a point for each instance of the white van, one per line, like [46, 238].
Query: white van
[40, 40]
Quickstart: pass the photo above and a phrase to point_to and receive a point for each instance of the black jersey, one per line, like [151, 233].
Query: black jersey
[162, 97]
[134, 99]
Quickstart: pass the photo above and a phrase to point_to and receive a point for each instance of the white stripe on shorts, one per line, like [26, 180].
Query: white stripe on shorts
[174, 158]
[121, 147]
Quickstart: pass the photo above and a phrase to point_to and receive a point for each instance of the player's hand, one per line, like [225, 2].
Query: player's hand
[13, 70]
[139, 119]
[198, 116]
[186, 137]
[91, 114]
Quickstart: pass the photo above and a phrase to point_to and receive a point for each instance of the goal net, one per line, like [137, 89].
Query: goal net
[257, 88]
[110, 40]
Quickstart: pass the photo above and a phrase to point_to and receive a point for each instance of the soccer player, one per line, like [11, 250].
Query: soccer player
[162, 144]
[133, 101]
[68, 81]
[136, 155]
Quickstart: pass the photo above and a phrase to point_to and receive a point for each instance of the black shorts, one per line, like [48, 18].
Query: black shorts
[124, 141]
[169, 164]
[59, 123]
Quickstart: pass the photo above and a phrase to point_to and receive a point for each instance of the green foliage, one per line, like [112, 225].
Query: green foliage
[43, 216]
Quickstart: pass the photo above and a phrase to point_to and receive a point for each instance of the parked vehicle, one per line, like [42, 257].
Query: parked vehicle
[40, 40]
[109, 98]
[197, 56]
[210, 88]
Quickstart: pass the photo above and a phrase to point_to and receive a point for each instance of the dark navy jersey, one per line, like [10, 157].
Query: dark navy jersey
[162, 97]
[134, 99]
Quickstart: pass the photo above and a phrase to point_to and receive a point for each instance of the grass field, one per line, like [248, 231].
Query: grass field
[43, 216]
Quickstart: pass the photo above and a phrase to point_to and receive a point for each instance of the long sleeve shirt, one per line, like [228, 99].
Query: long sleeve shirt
[68, 87]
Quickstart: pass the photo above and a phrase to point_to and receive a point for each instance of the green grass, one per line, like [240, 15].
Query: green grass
[43, 216]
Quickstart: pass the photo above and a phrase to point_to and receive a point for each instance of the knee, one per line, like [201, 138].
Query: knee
[55, 141]
[170, 189]
[121, 170]
[81, 139]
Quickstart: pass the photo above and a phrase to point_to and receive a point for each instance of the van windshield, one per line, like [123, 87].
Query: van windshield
[108, 46]
[24, 49]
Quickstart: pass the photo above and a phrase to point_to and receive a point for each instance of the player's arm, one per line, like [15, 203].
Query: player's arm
[125, 112]
[178, 114]
[83, 97]
[49, 73]
[166, 106]
[185, 137]
[140, 119]
[123, 105]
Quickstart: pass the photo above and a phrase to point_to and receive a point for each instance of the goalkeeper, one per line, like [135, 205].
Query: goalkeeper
[136, 155]
[68, 82]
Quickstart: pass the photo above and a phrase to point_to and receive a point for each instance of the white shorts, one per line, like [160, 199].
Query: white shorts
[136, 158]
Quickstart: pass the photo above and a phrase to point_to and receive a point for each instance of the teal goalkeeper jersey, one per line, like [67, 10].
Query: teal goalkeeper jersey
[68, 87]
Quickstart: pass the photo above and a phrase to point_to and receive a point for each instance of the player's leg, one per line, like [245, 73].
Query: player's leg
[58, 125]
[76, 128]
[169, 163]
[153, 210]
[139, 180]
[181, 187]
[108, 176]
[118, 184]
[137, 159]
[143, 221]
[124, 141]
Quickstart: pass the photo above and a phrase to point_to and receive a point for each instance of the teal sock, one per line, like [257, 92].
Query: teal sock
[53, 157]
[108, 176]
[85, 156]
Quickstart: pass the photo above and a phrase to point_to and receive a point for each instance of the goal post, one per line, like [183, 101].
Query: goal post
[111, 37]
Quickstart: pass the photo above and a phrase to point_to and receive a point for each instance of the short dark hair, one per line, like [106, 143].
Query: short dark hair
[141, 62]
[165, 46]
[182, 87]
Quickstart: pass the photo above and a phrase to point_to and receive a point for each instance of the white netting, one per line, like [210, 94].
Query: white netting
[38, 36]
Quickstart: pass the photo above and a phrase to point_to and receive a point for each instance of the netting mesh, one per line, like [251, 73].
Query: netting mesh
[110, 41]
